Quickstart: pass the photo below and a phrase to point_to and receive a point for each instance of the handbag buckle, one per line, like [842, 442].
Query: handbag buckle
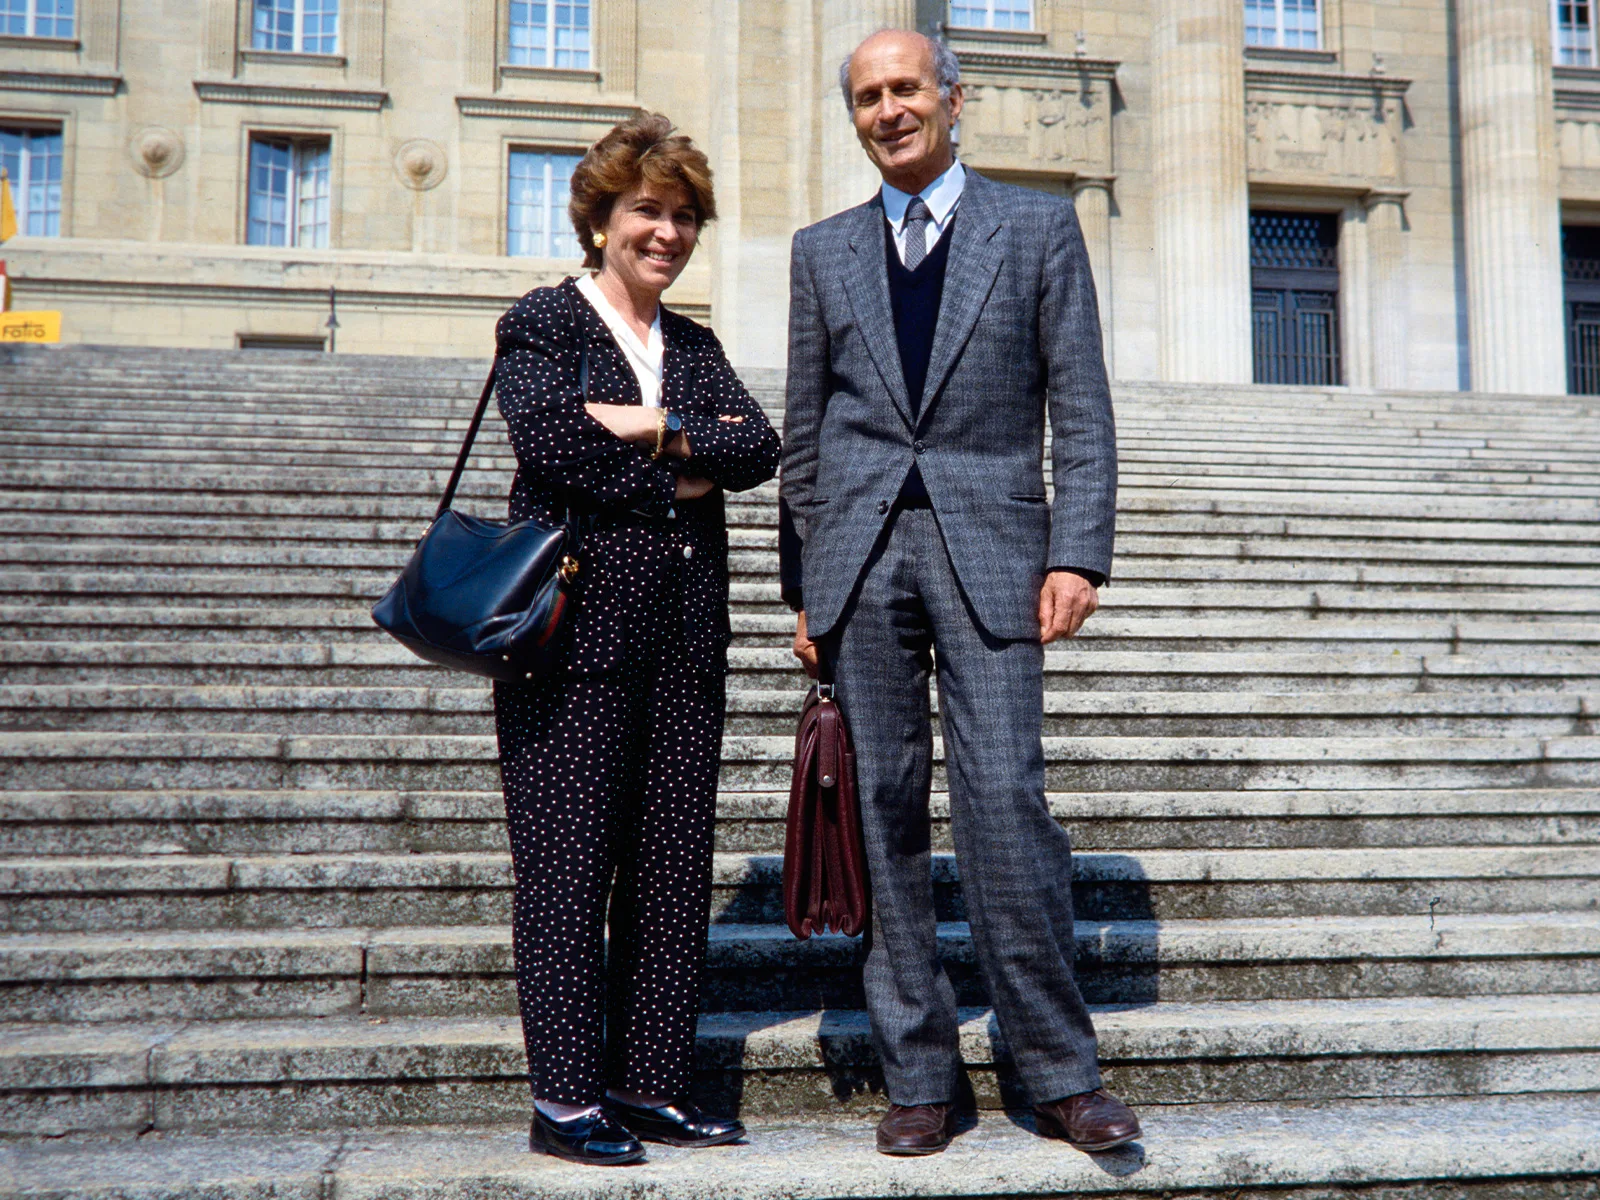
[824, 691]
[569, 568]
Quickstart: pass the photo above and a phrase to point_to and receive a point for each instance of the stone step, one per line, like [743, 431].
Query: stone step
[164, 708]
[239, 974]
[61, 893]
[371, 571]
[75, 760]
[1109, 630]
[1461, 518]
[198, 519]
[213, 821]
[383, 663]
[1526, 1147]
[359, 1072]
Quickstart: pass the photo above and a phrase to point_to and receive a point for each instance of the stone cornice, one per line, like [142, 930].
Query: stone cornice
[545, 110]
[69, 82]
[1000, 65]
[285, 96]
[1585, 97]
[1320, 83]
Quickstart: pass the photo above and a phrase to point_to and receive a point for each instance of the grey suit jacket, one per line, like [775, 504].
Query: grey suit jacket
[1018, 337]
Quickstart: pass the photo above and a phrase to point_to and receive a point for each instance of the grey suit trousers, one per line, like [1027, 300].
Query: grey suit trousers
[1014, 860]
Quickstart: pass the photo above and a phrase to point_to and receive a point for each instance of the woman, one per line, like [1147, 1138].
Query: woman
[625, 412]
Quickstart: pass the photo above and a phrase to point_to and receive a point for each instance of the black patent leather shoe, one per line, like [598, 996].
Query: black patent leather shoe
[680, 1123]
[590, 1138]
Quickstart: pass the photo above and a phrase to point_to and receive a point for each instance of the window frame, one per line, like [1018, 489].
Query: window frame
[298, 142]
[297, 38]
[550, 28]
[553, 212]
[20, 188]
[1321, 8]
[1592, 49]
[988, 16]
[31, 19]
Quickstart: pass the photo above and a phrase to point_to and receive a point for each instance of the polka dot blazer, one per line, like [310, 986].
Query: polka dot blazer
[564, 457]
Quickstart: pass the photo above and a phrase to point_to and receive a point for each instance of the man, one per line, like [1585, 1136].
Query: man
[930, 329]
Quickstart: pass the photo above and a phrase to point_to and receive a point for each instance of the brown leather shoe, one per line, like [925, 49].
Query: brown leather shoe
[1091, 1121]
[911, 1129]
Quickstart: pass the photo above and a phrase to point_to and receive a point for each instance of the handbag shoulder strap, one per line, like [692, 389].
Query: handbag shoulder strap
[483, 406]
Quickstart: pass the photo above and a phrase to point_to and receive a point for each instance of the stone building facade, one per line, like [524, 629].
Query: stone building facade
[1366, 192]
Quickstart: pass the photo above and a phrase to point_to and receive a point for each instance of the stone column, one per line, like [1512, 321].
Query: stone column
[1202, 199]
[1388, 291]
[848, 177]
[1092, 197]
[1510, 179]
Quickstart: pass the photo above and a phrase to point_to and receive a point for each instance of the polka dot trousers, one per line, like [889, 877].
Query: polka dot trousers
[610, 788]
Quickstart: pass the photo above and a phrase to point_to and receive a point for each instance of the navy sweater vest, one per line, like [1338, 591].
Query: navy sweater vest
[914, 298]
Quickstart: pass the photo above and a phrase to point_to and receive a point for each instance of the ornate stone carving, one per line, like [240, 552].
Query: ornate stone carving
[1037, 114]
[420, 164]
[156, 151]
[1578, 135]
[1323, 129]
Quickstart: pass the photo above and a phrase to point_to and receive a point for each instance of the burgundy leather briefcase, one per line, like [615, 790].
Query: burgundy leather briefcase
[824, 864]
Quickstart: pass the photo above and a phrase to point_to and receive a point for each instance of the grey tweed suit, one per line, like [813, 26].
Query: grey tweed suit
[889, 592]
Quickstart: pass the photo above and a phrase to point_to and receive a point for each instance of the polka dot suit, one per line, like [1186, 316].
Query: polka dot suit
[610, 766]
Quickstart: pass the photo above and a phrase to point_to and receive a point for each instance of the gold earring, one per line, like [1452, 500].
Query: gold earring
[599, 240]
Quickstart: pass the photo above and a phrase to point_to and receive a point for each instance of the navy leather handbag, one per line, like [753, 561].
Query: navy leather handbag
[486, 597]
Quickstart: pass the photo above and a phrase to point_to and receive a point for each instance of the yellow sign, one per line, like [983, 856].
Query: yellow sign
[30, 327]
[8, 212]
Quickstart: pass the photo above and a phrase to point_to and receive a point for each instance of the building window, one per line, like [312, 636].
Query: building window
[1285, 24]
[290, 189]
[536, 209]
[296, 26]
[1572, 24]
[550, 34]
[1294, 287]
[32, 161]
[36, 18]
[992, 14]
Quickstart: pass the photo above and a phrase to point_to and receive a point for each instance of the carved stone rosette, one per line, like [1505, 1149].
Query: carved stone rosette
[420, 164]
[156, 151]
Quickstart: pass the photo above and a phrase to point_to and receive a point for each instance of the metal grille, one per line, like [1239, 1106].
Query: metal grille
[1583, 348]
[1294, 241]
[1294, 260]
[1296, 336]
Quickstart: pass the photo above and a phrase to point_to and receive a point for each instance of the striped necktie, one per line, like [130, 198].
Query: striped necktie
[916, 233]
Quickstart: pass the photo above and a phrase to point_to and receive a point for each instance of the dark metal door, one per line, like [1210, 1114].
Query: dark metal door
[1294, 275]
[1580, 269]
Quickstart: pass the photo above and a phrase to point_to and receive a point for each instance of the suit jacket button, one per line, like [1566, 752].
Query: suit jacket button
[688, 551]
[883, 506]
[919, 447]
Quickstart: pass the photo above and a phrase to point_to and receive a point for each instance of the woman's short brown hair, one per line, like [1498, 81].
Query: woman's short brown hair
[638, 151]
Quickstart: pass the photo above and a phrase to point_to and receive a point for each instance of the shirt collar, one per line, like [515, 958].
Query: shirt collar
[940, 196]
[650, 351]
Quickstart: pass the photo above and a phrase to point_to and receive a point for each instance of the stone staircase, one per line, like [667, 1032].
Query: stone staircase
[1328, 753]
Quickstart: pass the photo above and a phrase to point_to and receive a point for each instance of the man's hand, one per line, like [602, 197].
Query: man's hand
[804, 648]
[1065, 602]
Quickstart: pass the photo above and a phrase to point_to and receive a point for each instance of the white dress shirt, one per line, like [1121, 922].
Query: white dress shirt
[643, 357]
[940, 196]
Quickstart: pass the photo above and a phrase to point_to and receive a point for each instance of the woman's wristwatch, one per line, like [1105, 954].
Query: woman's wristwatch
[668, 426]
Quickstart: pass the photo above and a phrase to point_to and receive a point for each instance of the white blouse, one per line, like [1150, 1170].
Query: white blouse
[643, 357]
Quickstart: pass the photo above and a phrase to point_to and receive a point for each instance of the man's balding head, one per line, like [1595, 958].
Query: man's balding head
[904, 94]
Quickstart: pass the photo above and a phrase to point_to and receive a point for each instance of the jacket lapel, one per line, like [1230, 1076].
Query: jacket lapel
[975, 256]
[866, 282]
